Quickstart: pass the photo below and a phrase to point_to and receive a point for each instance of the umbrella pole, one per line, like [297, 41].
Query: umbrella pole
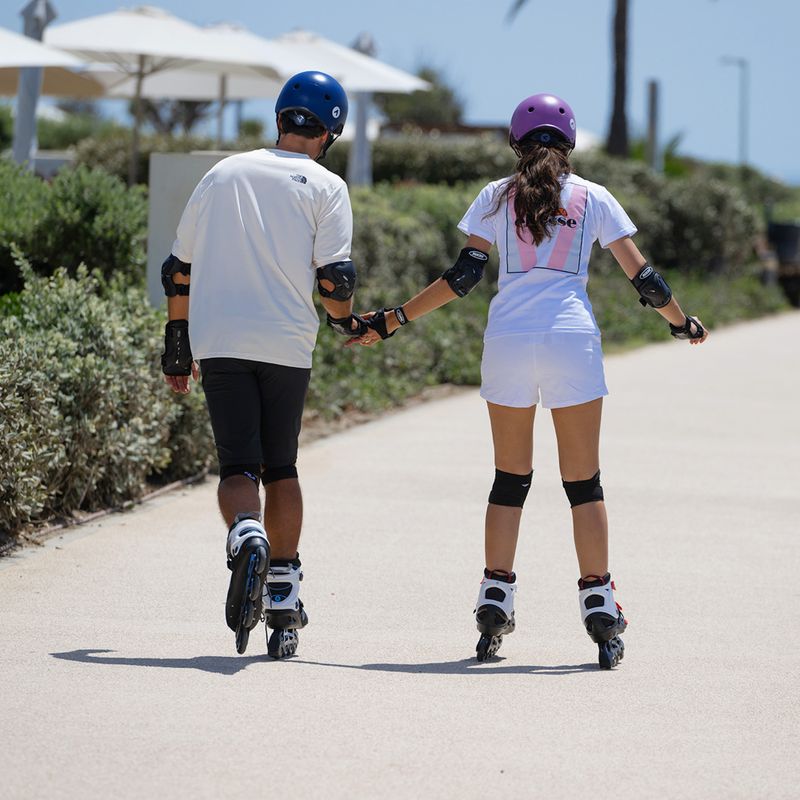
[359, 164]
[37, 16]
[223, 90]
[137, 121]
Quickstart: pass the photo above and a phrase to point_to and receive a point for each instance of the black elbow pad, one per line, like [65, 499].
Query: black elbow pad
[653, 289]
[342, 274]
[466, 273]
[171, 266]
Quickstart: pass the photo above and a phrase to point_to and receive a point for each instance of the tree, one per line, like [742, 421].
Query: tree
[441, 106]
[167, 115]
[617, 143]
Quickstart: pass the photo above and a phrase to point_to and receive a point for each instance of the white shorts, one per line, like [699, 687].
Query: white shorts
[566, 368]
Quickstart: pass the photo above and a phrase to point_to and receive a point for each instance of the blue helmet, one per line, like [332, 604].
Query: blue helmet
[317, 94]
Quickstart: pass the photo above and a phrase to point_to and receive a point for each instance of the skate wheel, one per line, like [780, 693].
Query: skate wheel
[254, 589]
[242, 638]
[249, 615]
[488, 646]
[262, 560]
[282, 643]
[611, 653]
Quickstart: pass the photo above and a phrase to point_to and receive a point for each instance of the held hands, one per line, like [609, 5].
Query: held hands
[377, 323]
[692, 329]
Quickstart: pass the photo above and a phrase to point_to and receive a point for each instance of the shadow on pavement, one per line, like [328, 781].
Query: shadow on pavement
[230, 665]
[465, 666]
[221, 665]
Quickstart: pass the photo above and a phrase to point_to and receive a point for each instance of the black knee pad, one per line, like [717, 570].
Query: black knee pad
[580, 492]
[272, 474]
[248, 470]
[509, 489]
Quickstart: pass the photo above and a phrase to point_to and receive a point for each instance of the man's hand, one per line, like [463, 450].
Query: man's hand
[176, 360]
[353, 326]
[180, 383]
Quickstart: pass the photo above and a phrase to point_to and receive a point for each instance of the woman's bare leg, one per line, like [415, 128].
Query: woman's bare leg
[512, 435]
[578, 434]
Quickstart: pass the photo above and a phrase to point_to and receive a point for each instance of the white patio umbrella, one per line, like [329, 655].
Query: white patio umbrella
[290, 53]
[18, 52]
[301, 50]
[25, 65]
[147, 40]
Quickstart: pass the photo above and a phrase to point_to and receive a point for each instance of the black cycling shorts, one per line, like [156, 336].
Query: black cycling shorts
[256, 410]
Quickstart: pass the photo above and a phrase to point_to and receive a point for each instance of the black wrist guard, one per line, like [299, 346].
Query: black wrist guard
[400, 315]
[685, 331]
[653, 289]
[378, 323]
[348, 326]
[177, 356]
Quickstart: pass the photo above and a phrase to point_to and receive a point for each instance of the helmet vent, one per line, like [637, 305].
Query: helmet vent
[327, 97]
[530, 108]
[561, 111]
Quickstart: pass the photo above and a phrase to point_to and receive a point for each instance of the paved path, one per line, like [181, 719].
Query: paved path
[118, 677]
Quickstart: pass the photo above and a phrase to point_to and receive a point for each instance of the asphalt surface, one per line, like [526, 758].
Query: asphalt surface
[119, 678]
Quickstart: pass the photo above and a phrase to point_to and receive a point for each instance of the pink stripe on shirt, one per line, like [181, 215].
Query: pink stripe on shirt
[525, 245]
[566, 235]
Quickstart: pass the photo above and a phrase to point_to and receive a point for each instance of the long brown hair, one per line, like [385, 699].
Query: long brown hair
[535, 186]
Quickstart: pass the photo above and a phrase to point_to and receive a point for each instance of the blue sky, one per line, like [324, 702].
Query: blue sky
[563, 48]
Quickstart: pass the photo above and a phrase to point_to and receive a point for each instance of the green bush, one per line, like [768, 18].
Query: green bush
[111, 150]
[93, 218]
[426, 159]
[6, 128]
[85, 419]
[787, 210]
[82, 216]
[711, 226]
[23, 204]
[86, 416]
[716, 301]
[60, 134]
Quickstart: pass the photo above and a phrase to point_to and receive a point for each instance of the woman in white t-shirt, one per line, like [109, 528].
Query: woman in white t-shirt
[542, 344]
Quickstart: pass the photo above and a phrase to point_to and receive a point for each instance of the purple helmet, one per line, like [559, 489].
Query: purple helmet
[544, 112]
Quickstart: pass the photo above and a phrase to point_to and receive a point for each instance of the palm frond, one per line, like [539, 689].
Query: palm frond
[515, 8]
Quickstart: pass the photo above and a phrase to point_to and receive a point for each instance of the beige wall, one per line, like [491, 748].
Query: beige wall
[173, 177]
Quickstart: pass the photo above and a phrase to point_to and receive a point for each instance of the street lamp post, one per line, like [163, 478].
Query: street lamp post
[744, 101]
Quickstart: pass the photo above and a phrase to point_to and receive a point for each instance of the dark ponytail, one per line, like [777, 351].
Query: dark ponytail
[536, 186]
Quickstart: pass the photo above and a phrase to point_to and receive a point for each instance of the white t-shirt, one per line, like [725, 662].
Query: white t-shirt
[543, 289]
[255, 229]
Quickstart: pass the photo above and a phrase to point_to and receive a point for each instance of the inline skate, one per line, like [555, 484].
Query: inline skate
[602, 618]
[248, 561]
[494, 611]
[282, 607]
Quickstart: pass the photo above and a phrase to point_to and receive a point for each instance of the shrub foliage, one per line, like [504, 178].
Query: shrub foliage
[85, 418]
[83, 216]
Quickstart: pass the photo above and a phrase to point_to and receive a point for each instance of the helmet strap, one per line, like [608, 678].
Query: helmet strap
[332, 137]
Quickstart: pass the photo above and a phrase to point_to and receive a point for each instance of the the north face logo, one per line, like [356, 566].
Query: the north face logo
[299, 178]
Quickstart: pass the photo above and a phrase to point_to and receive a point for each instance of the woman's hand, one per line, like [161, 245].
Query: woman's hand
[373, 336]
[692, 329]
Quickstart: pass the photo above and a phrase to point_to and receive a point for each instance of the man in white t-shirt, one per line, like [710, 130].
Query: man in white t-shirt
[258, 232]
